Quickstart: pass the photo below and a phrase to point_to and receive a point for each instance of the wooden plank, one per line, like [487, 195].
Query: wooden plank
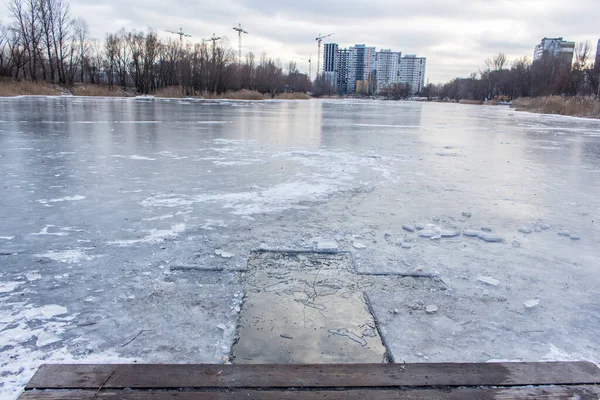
[540, 393]
[140, 376]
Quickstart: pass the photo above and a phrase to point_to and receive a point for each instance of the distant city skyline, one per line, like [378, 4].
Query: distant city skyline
[456, 36]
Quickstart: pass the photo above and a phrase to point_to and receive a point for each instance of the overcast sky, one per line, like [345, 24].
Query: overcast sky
[456, 36]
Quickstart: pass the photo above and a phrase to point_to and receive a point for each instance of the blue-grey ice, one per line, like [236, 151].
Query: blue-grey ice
[525, 229]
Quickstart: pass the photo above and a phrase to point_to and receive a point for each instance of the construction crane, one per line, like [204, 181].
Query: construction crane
[309, 59]
[214, 40]
[181, 34]
[239, 30]
[319, 40]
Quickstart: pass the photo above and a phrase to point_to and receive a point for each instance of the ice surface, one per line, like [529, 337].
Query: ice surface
[195, 177]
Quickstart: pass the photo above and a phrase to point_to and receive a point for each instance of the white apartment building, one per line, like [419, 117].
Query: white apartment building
[412, 72]
[387, 66]
[555, 47]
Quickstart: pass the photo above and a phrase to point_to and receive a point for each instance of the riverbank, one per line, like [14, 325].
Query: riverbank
[25, 88]
[586, 107]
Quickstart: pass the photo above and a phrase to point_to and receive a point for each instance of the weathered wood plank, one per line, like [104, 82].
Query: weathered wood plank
[540, 393]
[139, 376]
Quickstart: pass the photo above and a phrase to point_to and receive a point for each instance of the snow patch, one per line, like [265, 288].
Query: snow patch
[73, 256]
[154, 236]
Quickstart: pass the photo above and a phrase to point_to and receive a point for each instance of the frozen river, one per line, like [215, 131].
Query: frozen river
[126, 225]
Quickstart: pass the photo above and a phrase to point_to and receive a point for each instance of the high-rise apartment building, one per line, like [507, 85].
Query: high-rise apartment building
[330, 55]
[387, 67]
[412, 72]
[343, 63]
[554, 47]
[361, 67]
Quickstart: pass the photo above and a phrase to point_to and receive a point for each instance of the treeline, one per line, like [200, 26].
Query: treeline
[43, 42]
[524, 78]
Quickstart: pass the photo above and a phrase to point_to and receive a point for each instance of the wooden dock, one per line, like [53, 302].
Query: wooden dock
[554, 380]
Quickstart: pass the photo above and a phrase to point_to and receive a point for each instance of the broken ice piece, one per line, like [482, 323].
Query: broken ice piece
[45, 339]
[431, 309]
[406, 245]
[420, 227]
[486, 229]
[564, 233]
[525, 230]
[488, 237]
[545, 226]
[447, 233]
[467, 214]
[223, 254]
[488, 280]
[427, 233]
[471, 233]
[531, 303]
[436, 237]
[410, 228]
[327, 245]
[221, 327]
[574, 236]
[537, 229]
[359, 245]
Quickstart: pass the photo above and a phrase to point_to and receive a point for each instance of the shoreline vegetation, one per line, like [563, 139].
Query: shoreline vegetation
[27, 88]
[576, 106]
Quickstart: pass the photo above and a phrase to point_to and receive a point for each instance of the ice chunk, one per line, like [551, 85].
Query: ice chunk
[486, 229]
[223, 254]
[406, 245]
[448, 233]
[431, 309]
[545, 226]
[537, 229]
[488, 280]
[488, 237]
[53, 310]
[467, 214]
[574, 236]
[436, 237]
[428, 233]
[564, 233]
[45, 339]
[410, 228]
[525, 230]
[327, 245]
[420, 227]
[7, 287]
[359, 245]
[531, 303]
[471, 233]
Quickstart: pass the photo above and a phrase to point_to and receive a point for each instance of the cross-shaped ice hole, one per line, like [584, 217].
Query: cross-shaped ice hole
[312, 308]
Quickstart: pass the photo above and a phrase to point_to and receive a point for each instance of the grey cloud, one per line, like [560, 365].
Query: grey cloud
[455, 35]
